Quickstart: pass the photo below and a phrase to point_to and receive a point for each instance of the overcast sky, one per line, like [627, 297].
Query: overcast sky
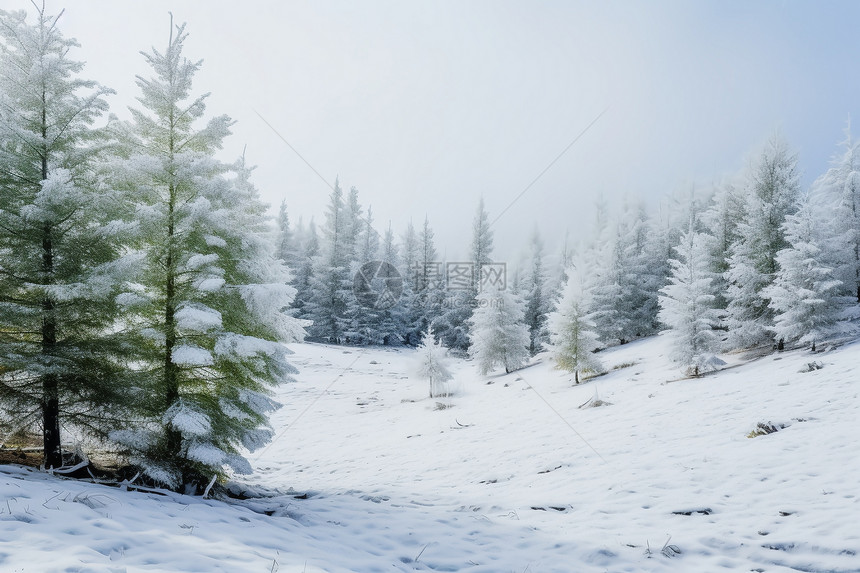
[425, 106]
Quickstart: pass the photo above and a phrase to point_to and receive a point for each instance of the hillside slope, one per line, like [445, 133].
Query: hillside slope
[369, 474]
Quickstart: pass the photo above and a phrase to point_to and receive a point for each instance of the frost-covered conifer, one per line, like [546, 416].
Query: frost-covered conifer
[286, 248]
[412, 308]
[304, 272]
[687, 302]
[453, 325]
[331, 283]
[392, 319]
[640, 274]
[62, 359]
[572, 337]
[772, 195]
[497, 334]
[428, 281]
[806, 294]
[353, 226]
[720, 221]
[379, 317]
[209, 303]
[837, 195]
[535, 291]
[432, 365]
[369, 239]
[603, 279]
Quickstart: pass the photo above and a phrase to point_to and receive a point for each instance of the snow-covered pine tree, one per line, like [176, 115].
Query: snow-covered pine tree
[687, 302]
[428, 280]
[331, 283]
[286, 239]
[362, 321]
[557, 275]
[412, 311]
[602, 259]
[806, 295]
[62, 360]
[538, 303]
[453, 326]
[392, 320]
[514, 276]
[772, 195]
[572, 336]
[481, 249]
[369, 239]
[838, 190]
[209, 305]
[640, 274]
[497, 334]
[304, 272]
[354, 225]
[411, 252]
[432, 365]
[720, 221]
[379, 318]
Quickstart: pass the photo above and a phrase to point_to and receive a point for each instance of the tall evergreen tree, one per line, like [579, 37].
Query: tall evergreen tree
[572, 337]
[453, 325]
[432, 365]
[411, 306]
[838, 190]
[600, 269]
[61, 358]
[687, 302]
[331, 283]
[304, 273]
[639, 275]
[773, 193]
[427, 280]
[720, 220]
[805, 294]
[497, 334]
[411, 251]
[392, 317]
[538, 304]
[369, 239]
[557, 274]
[353, 226]
[286, 239]
[209, 304]
[481, 248]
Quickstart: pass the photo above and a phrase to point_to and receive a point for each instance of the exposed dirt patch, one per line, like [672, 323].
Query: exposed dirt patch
[10, 456]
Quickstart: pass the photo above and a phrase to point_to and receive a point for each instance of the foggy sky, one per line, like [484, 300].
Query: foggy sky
[425, 106]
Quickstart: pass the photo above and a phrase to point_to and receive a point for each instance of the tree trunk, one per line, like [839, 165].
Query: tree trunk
[53, 456]
[171, 378]
[50, 403]
[576, 376]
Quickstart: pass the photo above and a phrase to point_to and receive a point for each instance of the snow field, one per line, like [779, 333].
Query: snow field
[501, 480]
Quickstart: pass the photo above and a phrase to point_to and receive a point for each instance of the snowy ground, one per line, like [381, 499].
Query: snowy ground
[368, 474]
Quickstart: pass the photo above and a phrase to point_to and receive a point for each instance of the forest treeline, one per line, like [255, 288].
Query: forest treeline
[754, 261]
